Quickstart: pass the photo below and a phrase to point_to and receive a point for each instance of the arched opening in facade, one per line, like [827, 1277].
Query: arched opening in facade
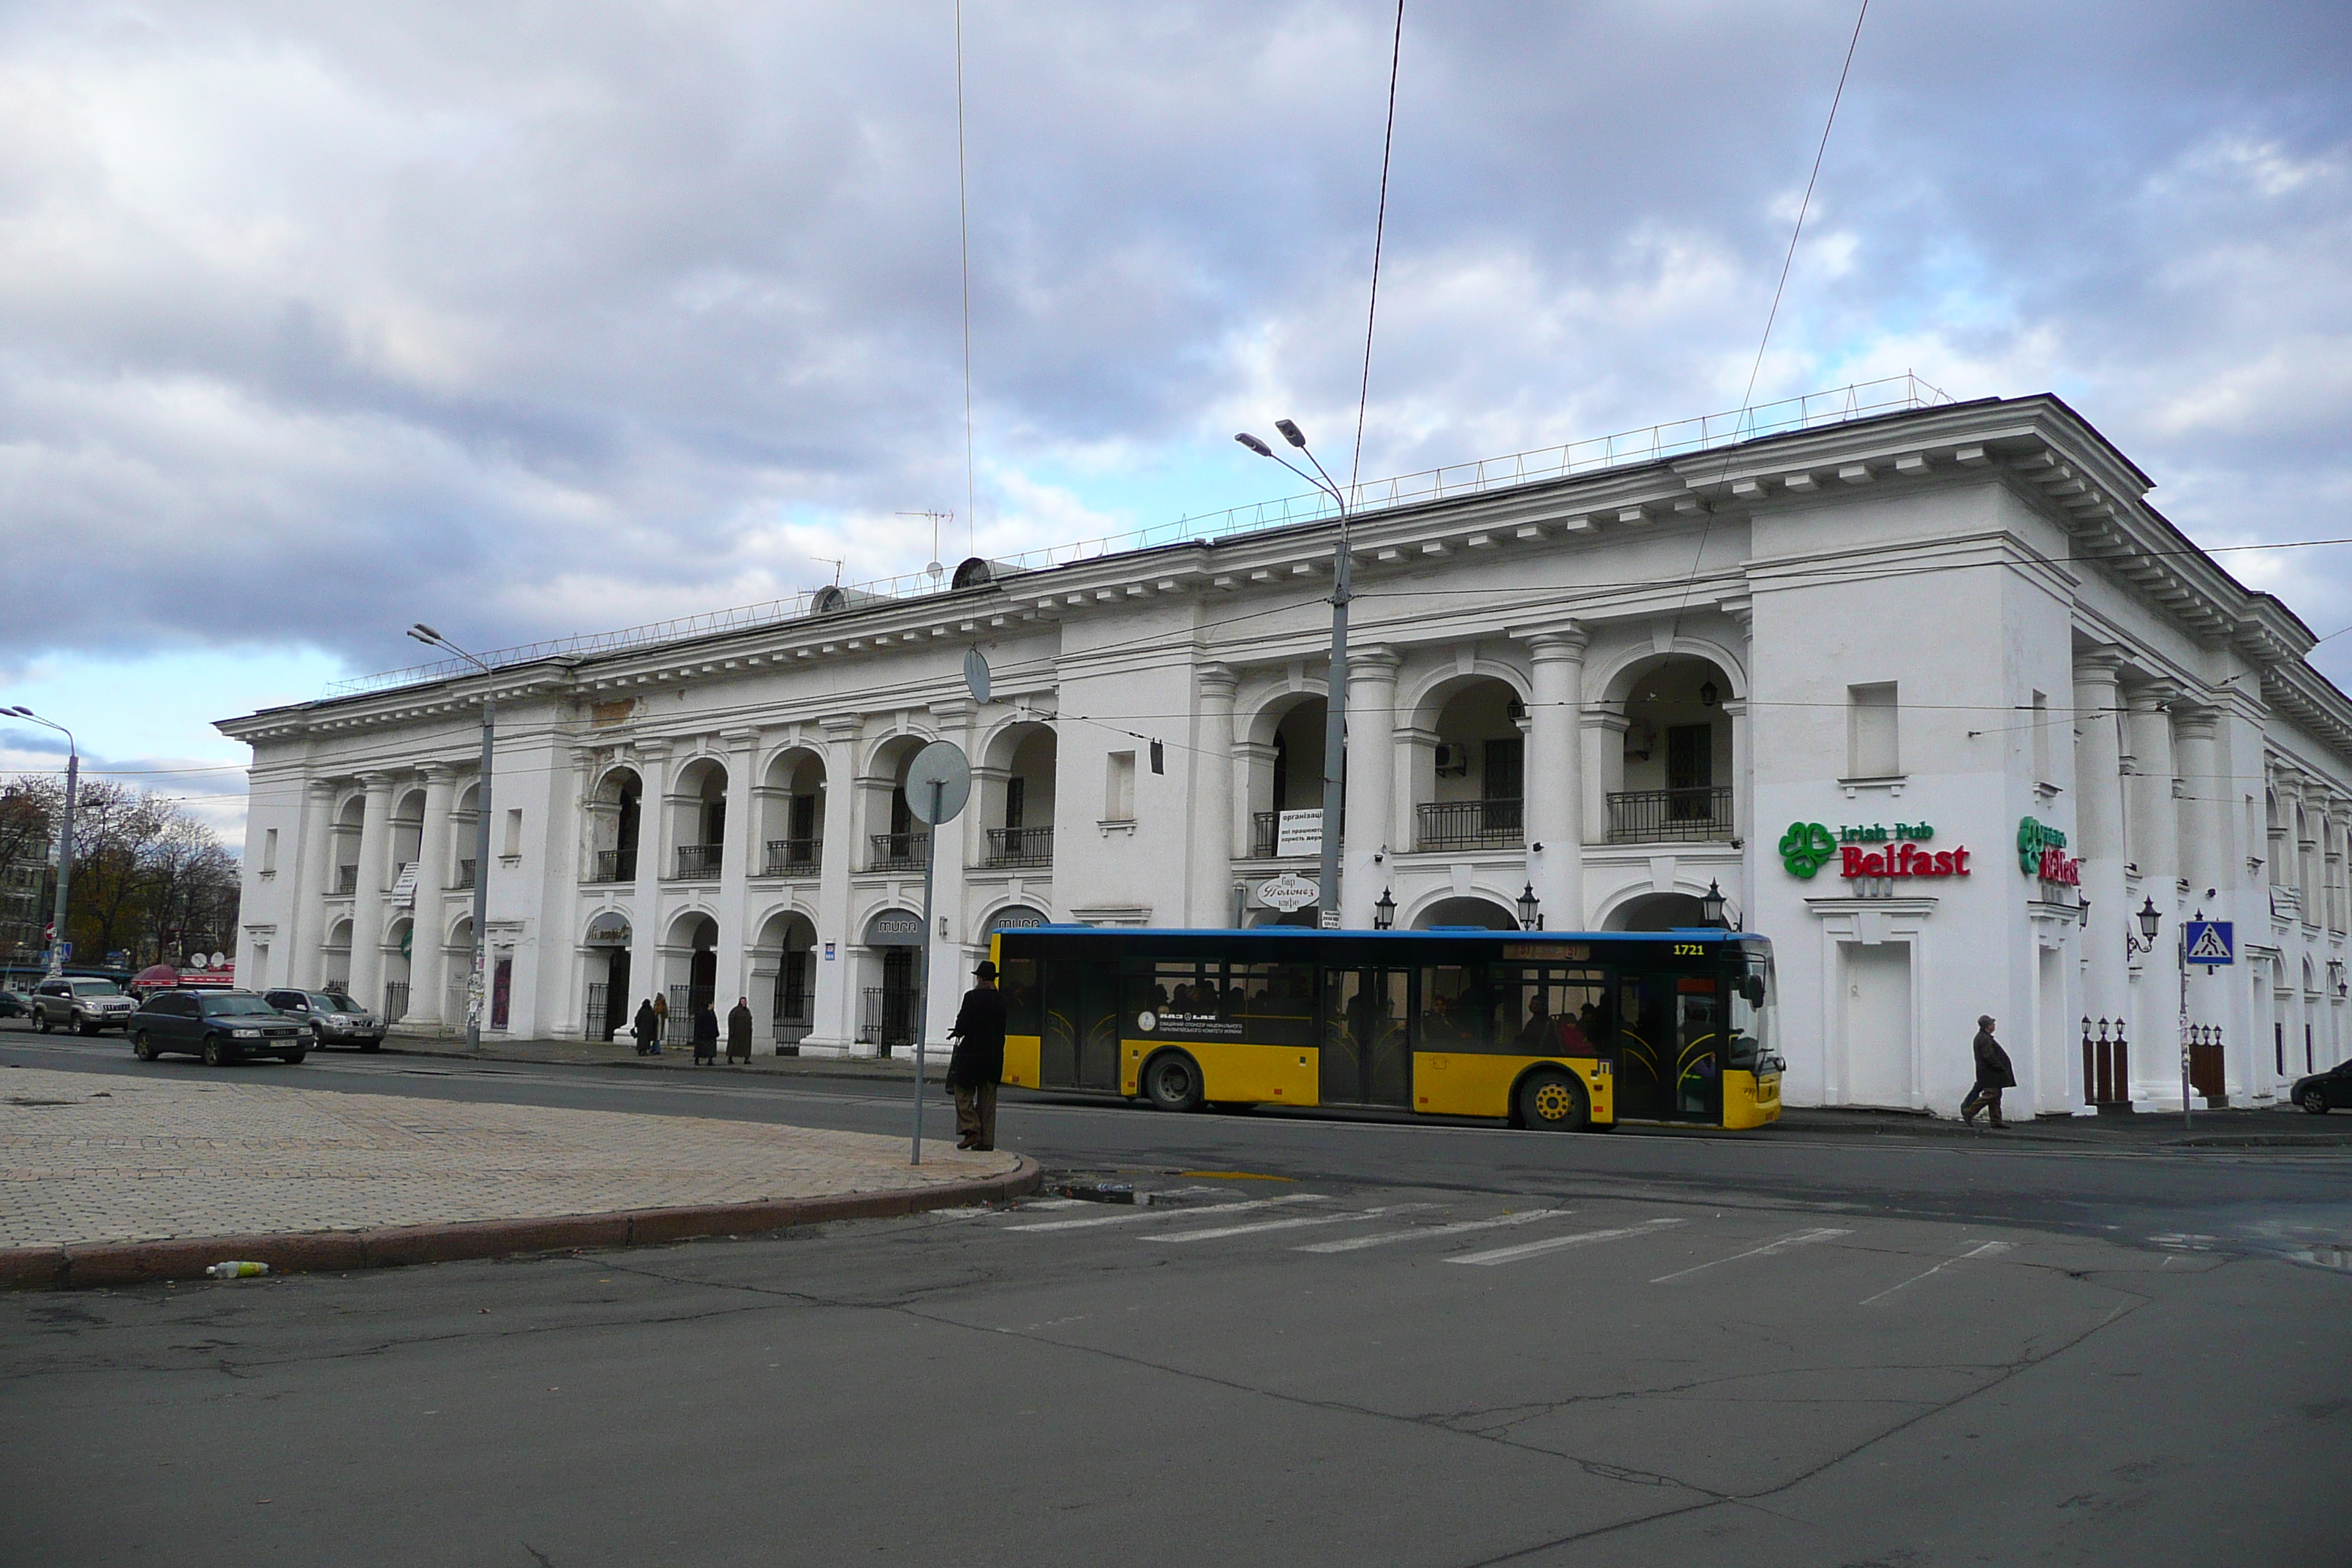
[617, 816]
[608, 1006]
[1466, 910]
[888, 1002]
[1657, 912]
[465, 832]
[1674, 783]
[408, 835]
[345, 834]
[895, 841]
[1017, 797]
[690, 971]
[335, 957]
[1470, 786]
[792, 815]
[458, 956]
[698, 820]
[783, 962]
[1285, 774]
[397, 945]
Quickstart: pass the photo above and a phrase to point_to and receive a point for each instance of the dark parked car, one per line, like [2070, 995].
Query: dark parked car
[218, 1026]
[334, 1018]
[13, 1006]
[2325, 1092]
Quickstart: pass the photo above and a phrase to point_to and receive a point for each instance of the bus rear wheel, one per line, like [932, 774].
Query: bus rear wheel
[1553, 1102]
[1172, 1081]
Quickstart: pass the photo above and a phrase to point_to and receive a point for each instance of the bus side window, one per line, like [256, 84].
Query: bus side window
[1024, 1012]
[1450, 1019]
[1273, 1003]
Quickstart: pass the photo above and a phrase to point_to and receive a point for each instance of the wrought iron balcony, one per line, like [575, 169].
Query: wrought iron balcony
[899, 851]
[465, 877]
[1020, 846]
[1471, 825]
[1265, 839]
[1670, 816]
[791, 857]
[347, 879]
[699, 862]
[612, 866]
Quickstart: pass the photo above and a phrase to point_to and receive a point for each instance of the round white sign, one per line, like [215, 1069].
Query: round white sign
[1288, 893]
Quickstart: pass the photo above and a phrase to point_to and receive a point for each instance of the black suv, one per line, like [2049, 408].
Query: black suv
[2324, 1091]
[218, 1026]
[334, 1018]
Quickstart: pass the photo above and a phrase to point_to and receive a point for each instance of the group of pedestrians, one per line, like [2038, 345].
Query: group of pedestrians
[652, 1023]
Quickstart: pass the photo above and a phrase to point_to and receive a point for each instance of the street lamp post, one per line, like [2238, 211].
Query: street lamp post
[1334, 704]
[65, 838]
[476, 986]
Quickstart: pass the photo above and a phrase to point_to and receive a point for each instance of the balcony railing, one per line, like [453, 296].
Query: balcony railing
[347, 879]
[699, 862]
[1020, 846]
[791, 857]
[612, 866]
[465, 877]
[1670, 816]
[899, 851]
[1472, 824]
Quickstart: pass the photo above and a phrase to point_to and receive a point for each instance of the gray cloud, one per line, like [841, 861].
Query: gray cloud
[532, 321]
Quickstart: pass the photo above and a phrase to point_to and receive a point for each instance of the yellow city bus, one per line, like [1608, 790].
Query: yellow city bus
[1555, 1030]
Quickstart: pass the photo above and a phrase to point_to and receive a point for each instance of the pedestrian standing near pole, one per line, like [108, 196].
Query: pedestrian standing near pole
[1993, 1075]
[978, 1065]
[738, 1032]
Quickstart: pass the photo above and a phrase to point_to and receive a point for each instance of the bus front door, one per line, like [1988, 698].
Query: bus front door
[1669, 1049]
[1367, 1057]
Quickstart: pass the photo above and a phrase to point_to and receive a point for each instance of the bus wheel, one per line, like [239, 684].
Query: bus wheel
[1553, 1102]
[1172, 1082]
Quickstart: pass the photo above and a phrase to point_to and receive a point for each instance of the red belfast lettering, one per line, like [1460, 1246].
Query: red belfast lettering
[1960, 862]
[1849, 861]
[1943, 862]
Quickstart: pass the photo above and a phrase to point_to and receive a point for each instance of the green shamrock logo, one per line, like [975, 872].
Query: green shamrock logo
[1806, 847]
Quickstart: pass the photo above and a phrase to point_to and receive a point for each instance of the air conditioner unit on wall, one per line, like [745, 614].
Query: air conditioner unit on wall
[1453, 761]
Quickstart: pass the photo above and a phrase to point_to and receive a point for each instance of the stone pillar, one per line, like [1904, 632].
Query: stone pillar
[2099, 818]
[1371, 774]
[1555, 776]
[1415, 782]
[652, 763]
[313, 878]
[2155, 829]
[1743, 776]
[833, 1025]
[1211, 817]
[368, 906]
[2205, 823]
[739, 847]
[1604, 769]
[426, 962]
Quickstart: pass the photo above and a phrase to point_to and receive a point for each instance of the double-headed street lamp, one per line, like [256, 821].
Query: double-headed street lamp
[1334, 703]
[476, 986]
[65, 838]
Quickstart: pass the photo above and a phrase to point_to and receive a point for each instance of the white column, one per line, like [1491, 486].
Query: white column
[652, 763]
[834, 1026]
[368, 906]
[1372, 755]
[313, 878]
[2156, 827]
[1555, 776]
[1604, 770]
[2099, 817]
[426, 979]
[740, 848]
[1211, 820]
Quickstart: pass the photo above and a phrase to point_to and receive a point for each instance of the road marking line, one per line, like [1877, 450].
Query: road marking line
[1354, 1242]
[1224, 1230]
[1127, 1217]
[1794, 1238]
[1983, 1249]
[1055, 1203]
[1561, 1243]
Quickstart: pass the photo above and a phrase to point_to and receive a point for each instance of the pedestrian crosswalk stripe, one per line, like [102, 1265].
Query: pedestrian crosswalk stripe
[1127, 1217]
[1561, 1243]
[1223, 1231]
[1431, 1233]
[1795, 1239]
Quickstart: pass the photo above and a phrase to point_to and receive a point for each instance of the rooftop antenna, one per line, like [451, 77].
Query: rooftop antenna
[829, 561]
[936, 569]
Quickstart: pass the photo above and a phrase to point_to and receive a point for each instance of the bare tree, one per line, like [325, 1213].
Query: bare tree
[149, 880]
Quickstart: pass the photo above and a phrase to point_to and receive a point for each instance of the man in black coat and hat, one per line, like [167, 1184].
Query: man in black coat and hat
[978, 1065]
[1993, 1075]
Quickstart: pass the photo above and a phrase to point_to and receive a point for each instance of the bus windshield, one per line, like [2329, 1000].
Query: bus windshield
[1750, 989]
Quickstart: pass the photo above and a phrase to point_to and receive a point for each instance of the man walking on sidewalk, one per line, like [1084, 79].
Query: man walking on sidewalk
[978, 1065]
[1993, 1075]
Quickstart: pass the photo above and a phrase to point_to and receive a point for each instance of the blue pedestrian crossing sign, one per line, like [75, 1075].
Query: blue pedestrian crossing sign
[2210, 941]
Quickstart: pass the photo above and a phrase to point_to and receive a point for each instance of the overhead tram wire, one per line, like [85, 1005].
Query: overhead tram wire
[1380, 229]
[963, 236]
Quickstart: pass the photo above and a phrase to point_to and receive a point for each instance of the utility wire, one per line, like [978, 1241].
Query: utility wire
[963, 236]
[1379, 226]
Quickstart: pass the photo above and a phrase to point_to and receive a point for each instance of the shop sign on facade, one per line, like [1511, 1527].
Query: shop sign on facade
[1808, 846]
[1287, 892]
[2041, 852]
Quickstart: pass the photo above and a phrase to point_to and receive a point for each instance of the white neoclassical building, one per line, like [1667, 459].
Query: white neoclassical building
[1908, 687]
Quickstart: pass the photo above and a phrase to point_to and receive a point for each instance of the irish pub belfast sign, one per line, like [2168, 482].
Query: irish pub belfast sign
[1871, 850]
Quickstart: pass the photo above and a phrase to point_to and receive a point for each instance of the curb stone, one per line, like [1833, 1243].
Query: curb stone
[92, 1265]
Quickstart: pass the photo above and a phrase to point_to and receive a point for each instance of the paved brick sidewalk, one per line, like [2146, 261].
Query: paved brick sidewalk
[91, 1160]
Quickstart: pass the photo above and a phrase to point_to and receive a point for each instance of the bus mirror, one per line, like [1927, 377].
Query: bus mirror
[1752, 987]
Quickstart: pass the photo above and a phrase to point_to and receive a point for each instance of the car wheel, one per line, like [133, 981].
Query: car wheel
[2314, 1100]
[1552, 1101]
[87, 1030]
[141, 1046]
[371, 1044]
[216, 1053]
[1172, 1081]
[41, 1022]
[293, 1059]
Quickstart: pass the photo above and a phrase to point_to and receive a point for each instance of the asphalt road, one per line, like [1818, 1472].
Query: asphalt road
[1427, 1344]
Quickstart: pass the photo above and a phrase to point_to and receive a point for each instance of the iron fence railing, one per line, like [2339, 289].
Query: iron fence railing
[1265, 838]
[791, 857]
[597, 1024]
[699, 862]
[899, 851]
[347, 879]
[685, 1000]
[613, 866]
[1669, 816]
[886, 1017]
[465, 877]
[1020, 846]
[395, 1001]
[1471, 824]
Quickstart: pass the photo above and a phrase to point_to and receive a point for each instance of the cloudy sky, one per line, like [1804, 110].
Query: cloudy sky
[525, 320]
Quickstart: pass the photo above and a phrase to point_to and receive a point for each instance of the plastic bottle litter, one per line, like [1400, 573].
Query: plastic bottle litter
[239, 1270]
